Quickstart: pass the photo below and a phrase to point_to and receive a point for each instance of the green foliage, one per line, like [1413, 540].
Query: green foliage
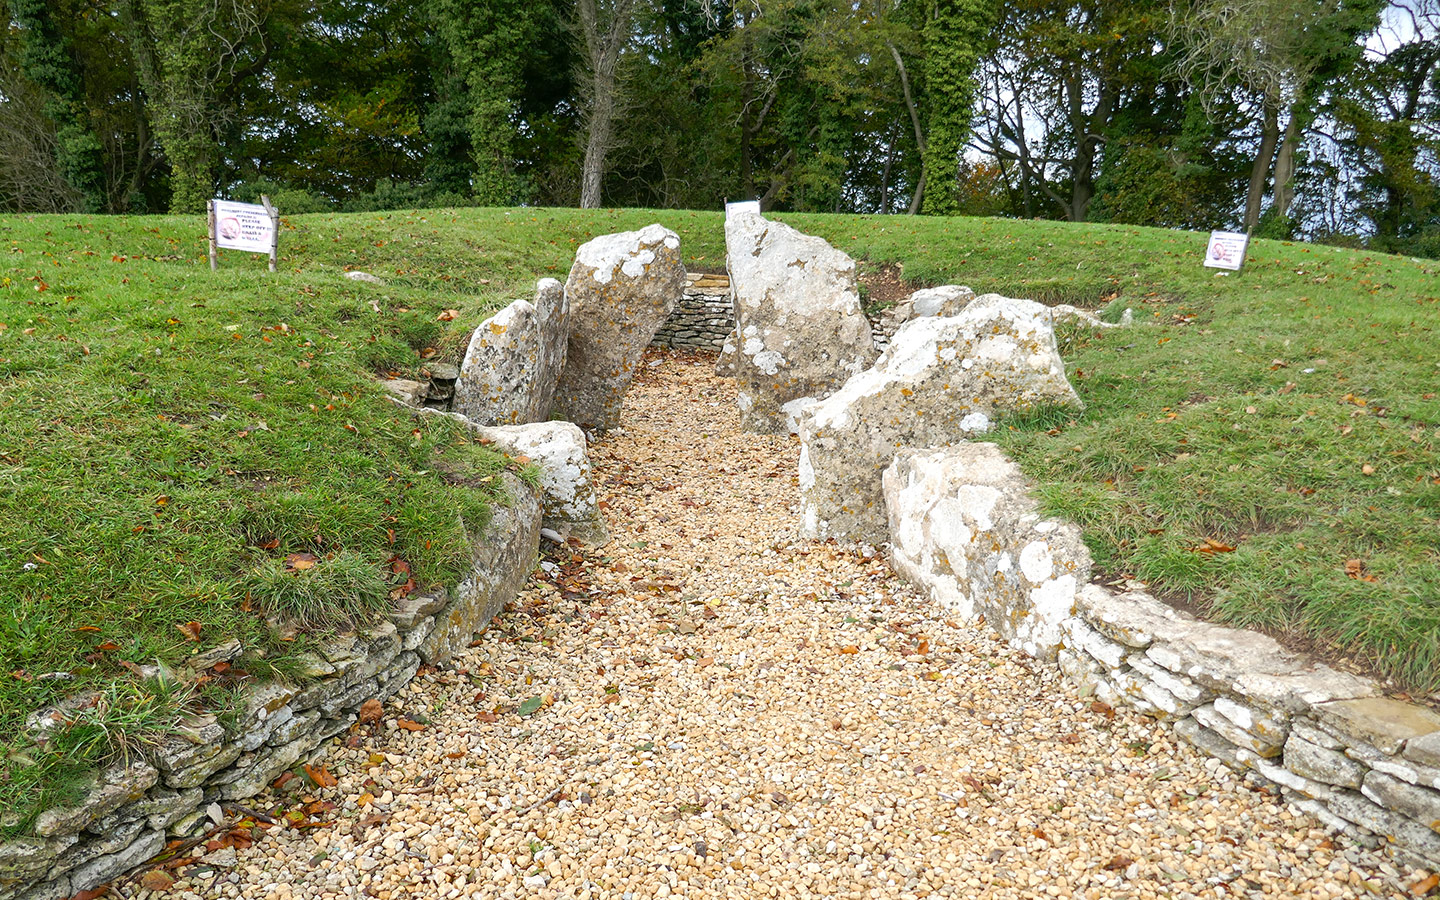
[47, 60]
[957, 34]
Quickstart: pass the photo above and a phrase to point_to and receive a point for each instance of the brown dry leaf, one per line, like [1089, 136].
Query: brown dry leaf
[1071, 738]
[1367, 469]
[371, 711]
[1119, 862]
[1425, 885]
[489, 718]
[849, 649]
[409, 725]
[191, 630]
[448, 315]
[1213, 546]
[321, 776]
[156, 880]
[1103, 708]
[365, 799]
[299, 562]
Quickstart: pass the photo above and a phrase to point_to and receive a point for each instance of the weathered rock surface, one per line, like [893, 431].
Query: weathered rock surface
[964, 528]
[729, 350]
[940, 383]
[938, 302]
[558, 450]
[621, 289]
[800, 329]
[502, 559]
[406, 391]
[513, 363]
[363, 276]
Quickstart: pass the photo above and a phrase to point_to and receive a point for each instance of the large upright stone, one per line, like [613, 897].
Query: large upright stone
[622, 288]
[502, 557]
[940, 382]
[800, 330]
[964, 528]
[514, 360]
[558, 451]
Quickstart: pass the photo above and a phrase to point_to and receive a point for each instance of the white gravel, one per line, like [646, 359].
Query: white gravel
[733, 712]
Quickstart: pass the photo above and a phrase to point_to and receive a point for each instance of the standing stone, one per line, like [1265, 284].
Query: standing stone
[725, 362]
[514, 360]
[558, 450]
[622, 288]
[940, 382]
[800, 329]
[502, 557]
[954, 512]
[946, 300]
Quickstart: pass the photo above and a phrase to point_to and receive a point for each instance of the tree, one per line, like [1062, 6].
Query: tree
[957, 34]
[1389, 114]
[606, 31]
[48, 62]
[191, 56]
[1276, 54]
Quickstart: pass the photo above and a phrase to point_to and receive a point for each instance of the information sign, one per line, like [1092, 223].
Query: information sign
[744, 206]
[251, 227]
[1226, 250]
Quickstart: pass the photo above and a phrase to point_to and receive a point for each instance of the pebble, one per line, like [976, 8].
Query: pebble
[731, 711]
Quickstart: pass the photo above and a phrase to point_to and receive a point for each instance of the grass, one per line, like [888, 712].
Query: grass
[169, 436]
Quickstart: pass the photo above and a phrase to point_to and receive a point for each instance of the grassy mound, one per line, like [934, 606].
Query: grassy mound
[184, 455]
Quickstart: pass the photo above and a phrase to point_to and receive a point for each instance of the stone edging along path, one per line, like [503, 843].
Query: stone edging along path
[966, 530]
[131, 811]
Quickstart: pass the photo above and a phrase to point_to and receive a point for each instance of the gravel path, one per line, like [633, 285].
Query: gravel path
[727, 711]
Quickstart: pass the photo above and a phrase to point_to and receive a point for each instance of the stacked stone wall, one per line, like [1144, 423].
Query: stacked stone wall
[964, 528]
[189, 783]
[703, 317]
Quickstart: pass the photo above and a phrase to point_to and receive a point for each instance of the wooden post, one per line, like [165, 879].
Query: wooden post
[210, 218]
[274, 229]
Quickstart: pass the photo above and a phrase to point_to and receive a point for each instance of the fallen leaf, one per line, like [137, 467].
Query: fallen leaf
[1103, 708]
[365, 799]
[849, 649]
[1119, 862]
[371, 711]
[156, 880]
[489, 718]
[299, 562]
[409, 725]
[530, 705]
[448, 315]
[1367, 469]
[1425, 885]
[321, 776]
[191, 630]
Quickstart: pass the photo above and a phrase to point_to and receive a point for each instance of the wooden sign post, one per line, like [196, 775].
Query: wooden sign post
[251, 227]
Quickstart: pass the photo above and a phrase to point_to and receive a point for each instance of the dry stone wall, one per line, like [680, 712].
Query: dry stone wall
[964, 529]
[703, 317]
[130, 811]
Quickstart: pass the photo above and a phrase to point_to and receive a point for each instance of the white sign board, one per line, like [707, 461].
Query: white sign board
[243, 226]
[744, 206]
[1226, 250]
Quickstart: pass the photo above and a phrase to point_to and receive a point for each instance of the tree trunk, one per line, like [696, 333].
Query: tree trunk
[1269, 137]
[885, 175]
[1285, 167]
[597, 142]
[606, 33]
[919, 197]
